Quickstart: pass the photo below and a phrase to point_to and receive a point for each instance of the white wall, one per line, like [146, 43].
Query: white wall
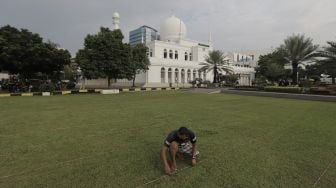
[4, 76]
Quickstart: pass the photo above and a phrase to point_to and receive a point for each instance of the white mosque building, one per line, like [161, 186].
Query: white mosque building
[175, 59]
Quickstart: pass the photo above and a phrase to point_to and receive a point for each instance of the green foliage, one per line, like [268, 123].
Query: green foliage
[326, 60]
[47, 87]
[283, 89]
[105, 56]
[230, 79]
[70, 72]
[217, 62]
[139, 61]
[271, 66]
[260, 81]
[196, 82]
[297, 49]
[25, 53]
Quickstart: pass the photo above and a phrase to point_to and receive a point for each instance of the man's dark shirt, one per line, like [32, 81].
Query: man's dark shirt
[172, 136]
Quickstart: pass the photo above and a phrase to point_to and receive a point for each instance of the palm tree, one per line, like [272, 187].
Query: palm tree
[217, 62]
[326, 60]
[297, 49]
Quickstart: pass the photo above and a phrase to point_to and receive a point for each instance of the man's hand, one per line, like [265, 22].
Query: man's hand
[167, 170]
[193, 162]
[173, 167]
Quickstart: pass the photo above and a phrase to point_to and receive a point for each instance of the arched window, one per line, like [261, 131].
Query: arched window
[188, 76]
[186, 56]
[171, 54]
[182, 76]
[163, 74]
[194, 74]
[176, 76]
[176, 54]
[170, 74]
[165, 53]
[190, 57]
[199, 74]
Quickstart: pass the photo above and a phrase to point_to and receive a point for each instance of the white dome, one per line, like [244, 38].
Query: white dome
[116, 15]
[173, 28]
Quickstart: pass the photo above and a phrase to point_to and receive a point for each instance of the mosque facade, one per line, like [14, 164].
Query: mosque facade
[176, 60]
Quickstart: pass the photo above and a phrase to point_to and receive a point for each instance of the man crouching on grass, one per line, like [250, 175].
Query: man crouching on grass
[177, 143]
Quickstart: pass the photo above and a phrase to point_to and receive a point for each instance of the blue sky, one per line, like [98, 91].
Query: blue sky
[234, 24]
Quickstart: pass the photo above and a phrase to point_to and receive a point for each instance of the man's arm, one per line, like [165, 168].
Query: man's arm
[193, 157]
[164, 159]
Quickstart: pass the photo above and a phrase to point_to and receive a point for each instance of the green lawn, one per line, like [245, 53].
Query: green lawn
[114, 141]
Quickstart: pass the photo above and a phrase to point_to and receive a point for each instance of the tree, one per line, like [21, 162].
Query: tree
[217, 62]
[23, 52]
[271, 66]
[297, 49]
[326, 60]
[139, 60]
[105, 56]
[230, 79]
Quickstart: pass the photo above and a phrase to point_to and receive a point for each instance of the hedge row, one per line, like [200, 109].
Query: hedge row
[283, 89]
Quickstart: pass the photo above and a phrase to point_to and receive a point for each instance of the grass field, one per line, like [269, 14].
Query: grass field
[114, 141]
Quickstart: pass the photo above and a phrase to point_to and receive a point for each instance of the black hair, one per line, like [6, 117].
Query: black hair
[183, 131]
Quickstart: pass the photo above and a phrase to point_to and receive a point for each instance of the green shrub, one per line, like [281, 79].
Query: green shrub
[283, 89]
[47, 87]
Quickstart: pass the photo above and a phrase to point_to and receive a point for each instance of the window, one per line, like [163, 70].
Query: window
[165, 53]
[182, 76]
[186, 56]
[171, 54]
[190, 57]
[176, 54]
[170, 75]
[163, 75]
[150, 53]
[176, 76]
[199, 74]
[188, 76]
[194, 74]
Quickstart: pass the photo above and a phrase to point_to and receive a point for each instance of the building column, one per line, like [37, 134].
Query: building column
[166, 75]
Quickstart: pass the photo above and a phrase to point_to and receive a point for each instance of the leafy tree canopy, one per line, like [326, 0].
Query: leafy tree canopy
[139, 60]
[105, 56]
[23, 52]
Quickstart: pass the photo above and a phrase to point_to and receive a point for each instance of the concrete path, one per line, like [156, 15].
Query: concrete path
[328, 98]
[202, 90]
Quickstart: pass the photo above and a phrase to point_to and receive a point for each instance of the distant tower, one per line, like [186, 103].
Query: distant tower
[116, 20]
[210, 39]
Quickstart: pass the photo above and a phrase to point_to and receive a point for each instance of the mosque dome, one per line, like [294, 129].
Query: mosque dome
[173, 28]
[116, 15]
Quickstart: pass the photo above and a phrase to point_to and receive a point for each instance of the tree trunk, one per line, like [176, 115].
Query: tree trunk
[215, 74]
[109, 82]
[294, 75]
[133, 80]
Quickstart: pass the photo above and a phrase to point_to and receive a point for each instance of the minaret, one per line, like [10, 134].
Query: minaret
[116, 20]
[210, 40]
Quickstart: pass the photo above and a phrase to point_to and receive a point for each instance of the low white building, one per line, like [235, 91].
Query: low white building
[4, 76]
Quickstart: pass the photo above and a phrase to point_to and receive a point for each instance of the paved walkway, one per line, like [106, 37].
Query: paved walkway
[282, 95]
[202, 90]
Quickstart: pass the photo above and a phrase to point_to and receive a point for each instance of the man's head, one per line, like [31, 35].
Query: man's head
[183, 133]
